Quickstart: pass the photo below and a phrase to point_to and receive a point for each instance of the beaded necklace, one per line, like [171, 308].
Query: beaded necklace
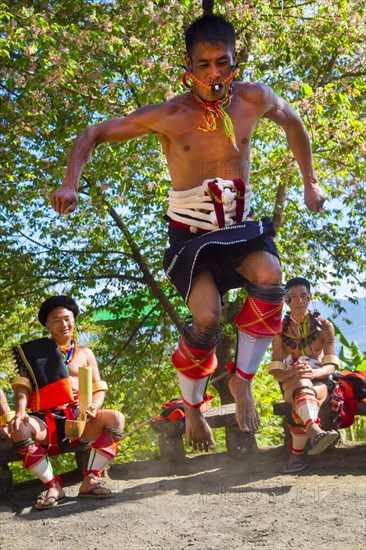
[68, 351]
[308, 331]
[213, 110]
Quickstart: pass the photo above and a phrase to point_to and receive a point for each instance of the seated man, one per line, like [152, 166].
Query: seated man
[303, 362]
[48, 385]
[6, 415]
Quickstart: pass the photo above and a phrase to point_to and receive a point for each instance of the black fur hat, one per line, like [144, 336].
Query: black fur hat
[52, 303]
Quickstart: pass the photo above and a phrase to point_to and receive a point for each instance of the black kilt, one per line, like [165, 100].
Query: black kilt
[219, 251]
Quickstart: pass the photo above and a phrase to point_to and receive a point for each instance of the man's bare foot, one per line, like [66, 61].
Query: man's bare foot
[199, 434]
[92, 488]
[246, 413]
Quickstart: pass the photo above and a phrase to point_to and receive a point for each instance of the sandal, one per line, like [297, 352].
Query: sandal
[294, 466]
[91, 493]
[47, 502]
[322, 442]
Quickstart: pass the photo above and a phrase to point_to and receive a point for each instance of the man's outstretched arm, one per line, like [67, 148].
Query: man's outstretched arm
[299, 142]
[139, 123]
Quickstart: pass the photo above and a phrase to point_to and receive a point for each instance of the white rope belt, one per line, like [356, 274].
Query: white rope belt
[195, 208]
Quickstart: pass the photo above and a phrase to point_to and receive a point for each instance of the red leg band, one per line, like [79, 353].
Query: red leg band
[56, 479]
[317, 421]
[31, 454]
[96, 473]
[233, 369]
[295, 451]
[260, 318]
[194, 363]
[107, 445]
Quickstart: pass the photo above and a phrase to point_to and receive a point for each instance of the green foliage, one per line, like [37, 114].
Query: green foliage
[350, 354]
[142, 445]
[357, 432]
[266, 392]
[20, 474]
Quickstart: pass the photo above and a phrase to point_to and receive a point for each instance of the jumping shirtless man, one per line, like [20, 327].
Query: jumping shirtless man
[205, 135]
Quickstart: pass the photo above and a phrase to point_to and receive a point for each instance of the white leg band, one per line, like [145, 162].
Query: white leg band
[250, 354]
[298, 441]
[97, 460]
[43, 470]
[193, 391]
[308, 412]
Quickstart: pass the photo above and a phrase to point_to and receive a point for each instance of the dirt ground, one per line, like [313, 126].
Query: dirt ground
[208, 502]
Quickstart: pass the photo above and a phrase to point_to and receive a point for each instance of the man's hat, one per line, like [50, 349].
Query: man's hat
[296, 281]
[54, 302]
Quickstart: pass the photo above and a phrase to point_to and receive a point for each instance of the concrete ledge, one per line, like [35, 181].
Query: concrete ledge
[171, 434]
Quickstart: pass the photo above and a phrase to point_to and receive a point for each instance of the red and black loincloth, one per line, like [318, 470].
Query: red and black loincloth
[55, 420]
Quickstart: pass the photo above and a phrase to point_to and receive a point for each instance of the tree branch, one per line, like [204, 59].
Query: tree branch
[278, 212]
[136, 255]
[328, 69]
[350, 74]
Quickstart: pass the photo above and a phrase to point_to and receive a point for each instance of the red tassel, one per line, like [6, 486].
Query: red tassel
[240, 189]
[231, 367]
[215, 194]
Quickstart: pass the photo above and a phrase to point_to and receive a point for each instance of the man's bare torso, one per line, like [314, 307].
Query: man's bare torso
[315, 349]
[194, 155]
[80, 360]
